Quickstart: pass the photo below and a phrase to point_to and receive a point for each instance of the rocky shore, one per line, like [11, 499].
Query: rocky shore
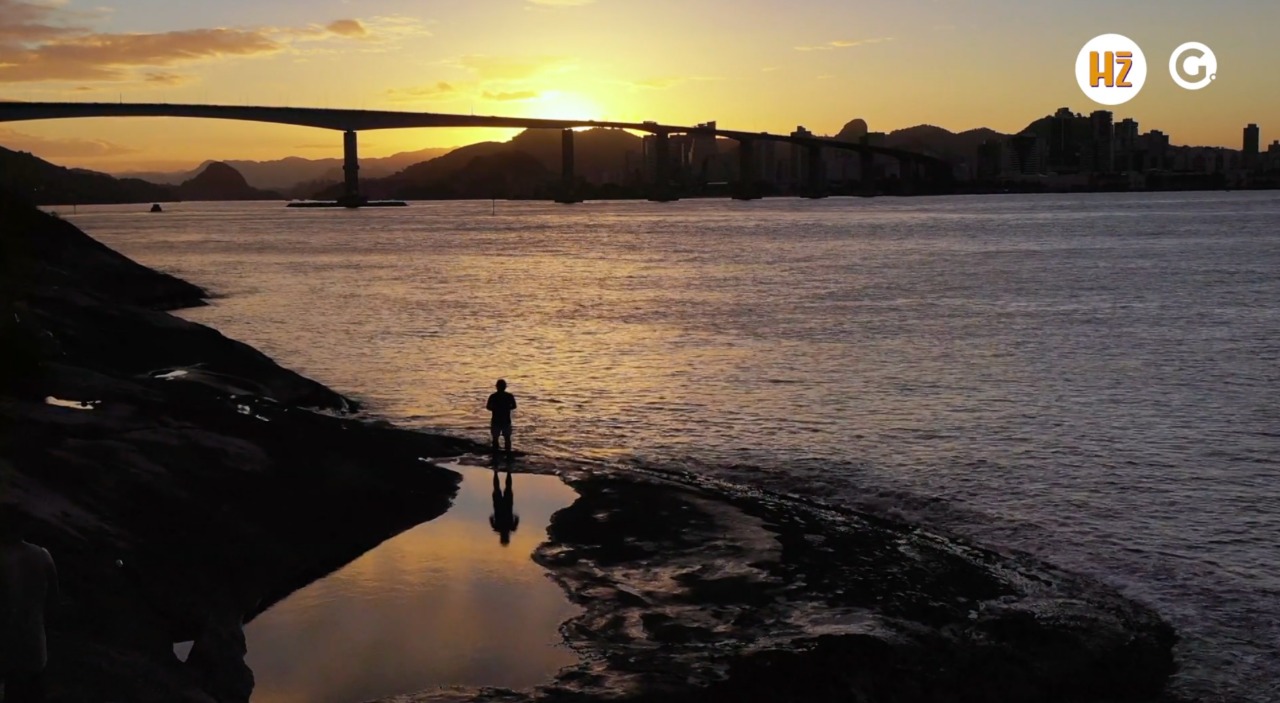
[174, 473]
[185, 482]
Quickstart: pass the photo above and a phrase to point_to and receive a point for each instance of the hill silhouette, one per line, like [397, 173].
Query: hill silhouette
[218, 181]
[943, 143]
[293, 171]
[601, 155]
[504, 174]
[49, 184]
[853, 130]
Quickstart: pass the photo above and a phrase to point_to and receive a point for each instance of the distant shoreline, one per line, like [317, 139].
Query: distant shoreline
[50, 207]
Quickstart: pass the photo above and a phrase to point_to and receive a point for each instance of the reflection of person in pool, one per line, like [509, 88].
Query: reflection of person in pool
[501, 404]
[504, 520]
[28, 586]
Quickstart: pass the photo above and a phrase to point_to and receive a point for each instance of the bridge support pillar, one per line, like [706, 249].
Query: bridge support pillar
[867, 172]
[745, 188]
[907, 177]
[568, 179]
[816, 183]
[937, 177]
[350, 171]
[661, 191]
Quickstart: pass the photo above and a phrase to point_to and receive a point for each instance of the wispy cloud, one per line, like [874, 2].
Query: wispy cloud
[72, 147]
[664, 82]
[45, 41]
[486, 77]
[843, 44]
[438, 91]
[112, 56]
[508, 68]
[347, 28]
[510, 96]
[165, 78]
[561, 3]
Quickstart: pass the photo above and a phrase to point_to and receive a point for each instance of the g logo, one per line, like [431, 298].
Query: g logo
[1193, 65]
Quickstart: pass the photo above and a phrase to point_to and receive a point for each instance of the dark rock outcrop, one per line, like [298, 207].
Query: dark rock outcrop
[181, 479]
[692, 591]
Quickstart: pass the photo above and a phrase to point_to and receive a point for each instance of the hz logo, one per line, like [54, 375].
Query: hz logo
[1104, 70]
[1193, 65]
[1111, 69]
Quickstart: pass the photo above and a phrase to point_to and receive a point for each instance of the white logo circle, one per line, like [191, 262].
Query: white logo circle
[1194, 61]
[1111, 69]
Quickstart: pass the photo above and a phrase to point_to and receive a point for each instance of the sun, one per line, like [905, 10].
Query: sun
[560, 105]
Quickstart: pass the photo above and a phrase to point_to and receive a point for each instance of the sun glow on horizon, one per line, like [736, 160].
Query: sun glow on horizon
[563, 105]
[909, 62]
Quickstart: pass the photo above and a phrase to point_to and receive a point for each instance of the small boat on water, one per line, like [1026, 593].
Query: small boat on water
[155, 207]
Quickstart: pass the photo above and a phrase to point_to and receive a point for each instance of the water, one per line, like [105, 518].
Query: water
[1090, 378]
[444, 604]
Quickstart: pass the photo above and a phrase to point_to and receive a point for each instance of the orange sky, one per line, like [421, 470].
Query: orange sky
[750, 64]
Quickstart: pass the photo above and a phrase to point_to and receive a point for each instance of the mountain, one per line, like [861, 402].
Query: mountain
[600, 155]
[48, 184]
[936, 141]
[853, 131]
[505, 174]
[288, 173]
[218, 181]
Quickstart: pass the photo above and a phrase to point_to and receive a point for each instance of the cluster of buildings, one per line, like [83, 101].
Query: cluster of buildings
[1064, 151]
[700, 159]
[1070, 149]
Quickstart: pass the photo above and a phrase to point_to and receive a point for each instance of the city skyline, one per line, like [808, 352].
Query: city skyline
[756, 67]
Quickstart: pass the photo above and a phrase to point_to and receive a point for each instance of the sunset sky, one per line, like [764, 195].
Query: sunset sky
[750, 64]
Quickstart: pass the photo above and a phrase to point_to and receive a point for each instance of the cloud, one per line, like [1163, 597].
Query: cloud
[111, 56]
[665, 82]
[843, 44]
[45, 41]
[507, 68]
[30, 21]
[165, 78]
[510, 96]
[425, 93]
[492, 78]
[561, 3]
[347, 28]
[768, 69]
[73, 147]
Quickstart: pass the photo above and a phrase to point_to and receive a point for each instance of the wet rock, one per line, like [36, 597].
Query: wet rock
[698, 593]
[217, 657]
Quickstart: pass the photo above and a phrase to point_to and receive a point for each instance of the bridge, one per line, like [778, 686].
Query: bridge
[351, 122]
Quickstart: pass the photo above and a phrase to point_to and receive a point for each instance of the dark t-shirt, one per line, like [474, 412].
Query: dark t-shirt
[501, 403]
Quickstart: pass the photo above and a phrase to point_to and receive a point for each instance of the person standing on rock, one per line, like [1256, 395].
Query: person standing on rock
[501, 403]
[28, 585]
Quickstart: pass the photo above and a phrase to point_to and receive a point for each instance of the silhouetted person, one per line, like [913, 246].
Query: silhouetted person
[504, 520]
[28, 585]
[501, 403]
